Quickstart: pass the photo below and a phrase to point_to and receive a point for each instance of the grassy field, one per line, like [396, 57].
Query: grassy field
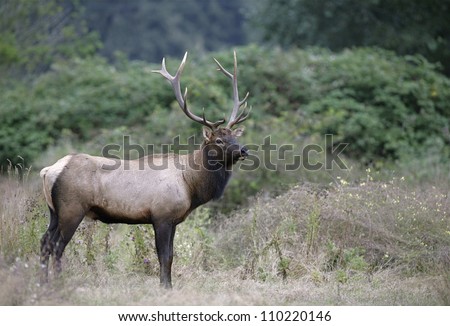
[364, 243]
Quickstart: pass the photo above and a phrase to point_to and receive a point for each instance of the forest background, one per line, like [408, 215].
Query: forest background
[75, 75]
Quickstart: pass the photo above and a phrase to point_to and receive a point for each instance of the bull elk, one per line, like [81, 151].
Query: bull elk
[80, 185]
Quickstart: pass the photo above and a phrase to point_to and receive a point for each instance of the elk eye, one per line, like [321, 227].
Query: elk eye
[219, 141]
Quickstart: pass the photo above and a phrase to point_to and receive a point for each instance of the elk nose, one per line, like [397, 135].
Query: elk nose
[244, 151]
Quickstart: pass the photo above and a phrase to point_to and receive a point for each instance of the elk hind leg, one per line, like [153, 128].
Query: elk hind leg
[69, 219]
[47, 245]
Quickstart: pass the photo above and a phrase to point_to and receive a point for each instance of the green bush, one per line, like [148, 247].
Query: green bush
[388, 108]
[383, 105]
[81, 97]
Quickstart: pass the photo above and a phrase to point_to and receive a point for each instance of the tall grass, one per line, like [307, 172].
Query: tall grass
[342, 235]
[350, 243]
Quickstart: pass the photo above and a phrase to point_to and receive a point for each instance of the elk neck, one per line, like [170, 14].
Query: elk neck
[205, 177]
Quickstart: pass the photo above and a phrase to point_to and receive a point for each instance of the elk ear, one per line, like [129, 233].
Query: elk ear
[238, 132]
[207, 133]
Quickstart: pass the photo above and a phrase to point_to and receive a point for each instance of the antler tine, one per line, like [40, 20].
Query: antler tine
[182, 98]
[237, 103]
[242, 117]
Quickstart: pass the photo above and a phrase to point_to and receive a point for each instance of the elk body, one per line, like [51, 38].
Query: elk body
[132, 192]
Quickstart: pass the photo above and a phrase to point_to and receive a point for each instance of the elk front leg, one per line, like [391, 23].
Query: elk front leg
[164, 234]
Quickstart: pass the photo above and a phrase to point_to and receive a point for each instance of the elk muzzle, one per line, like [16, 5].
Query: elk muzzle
[244, 153]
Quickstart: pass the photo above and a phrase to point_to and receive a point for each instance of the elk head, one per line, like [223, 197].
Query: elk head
[220, 143]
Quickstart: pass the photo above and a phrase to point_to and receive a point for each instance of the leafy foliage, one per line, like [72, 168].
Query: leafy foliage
[383, 105]
[34, 34]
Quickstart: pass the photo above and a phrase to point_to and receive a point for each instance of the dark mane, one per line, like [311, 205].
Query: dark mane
[210, 183]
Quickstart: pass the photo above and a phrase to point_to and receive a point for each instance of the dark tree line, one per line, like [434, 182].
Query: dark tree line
[404, 26]
[148, 30]
[36, 33]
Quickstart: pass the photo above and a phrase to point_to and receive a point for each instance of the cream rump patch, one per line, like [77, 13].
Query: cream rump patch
[49, 175]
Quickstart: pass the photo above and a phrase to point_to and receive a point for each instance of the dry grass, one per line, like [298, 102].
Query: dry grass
[362, 244]
[216, 288]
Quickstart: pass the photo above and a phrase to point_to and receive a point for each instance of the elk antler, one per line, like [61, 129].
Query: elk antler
[182, 98]
[235, 118]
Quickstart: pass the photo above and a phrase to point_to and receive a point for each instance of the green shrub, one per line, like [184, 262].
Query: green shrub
[389, 109]
[82, 97]
[384, 106]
